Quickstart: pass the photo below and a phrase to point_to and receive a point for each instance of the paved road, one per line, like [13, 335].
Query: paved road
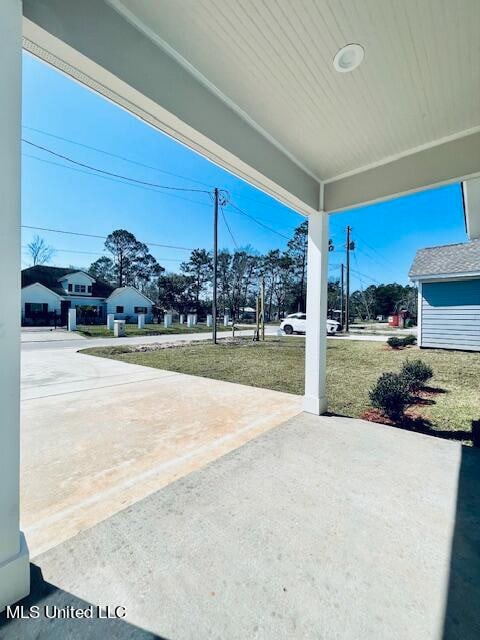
[62, 339]
[65, 340]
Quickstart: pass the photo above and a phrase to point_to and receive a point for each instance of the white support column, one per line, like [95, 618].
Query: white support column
[315, 400]
[14, 561]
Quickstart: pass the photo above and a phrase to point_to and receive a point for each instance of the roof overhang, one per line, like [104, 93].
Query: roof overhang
[116, 49]
[39, 284]
[471, 204]
[73, 273]
[120, 290]
[440, 277]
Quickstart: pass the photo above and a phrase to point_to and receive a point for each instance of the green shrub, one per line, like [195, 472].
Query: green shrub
[391, 395]
[409, 339]
[416, 373]
[395, 342]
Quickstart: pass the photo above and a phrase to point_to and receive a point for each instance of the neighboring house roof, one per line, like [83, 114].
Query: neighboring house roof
[39, 284]
[74, 273]
[447, 260]
[50, 276]
[120, 290]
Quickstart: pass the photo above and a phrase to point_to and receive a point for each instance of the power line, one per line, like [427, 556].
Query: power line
[228, 228]
[258, 221]
[359, 273]
[137, 163]
[117, 156]
[91, 235]
[171, 195]
[96, 253]
[142, 185]
[380, 256]
[116, 180]
[111, 173]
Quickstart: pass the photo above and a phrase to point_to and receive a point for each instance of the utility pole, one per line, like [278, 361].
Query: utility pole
[215, 254]
[220, 199]
[347, 297]
[342, 296]
[262, 307]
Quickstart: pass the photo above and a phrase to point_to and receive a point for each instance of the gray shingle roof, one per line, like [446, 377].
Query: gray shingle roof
[447, 259]
[48, 276]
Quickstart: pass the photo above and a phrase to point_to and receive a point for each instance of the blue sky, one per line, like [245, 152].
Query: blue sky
[56, 196]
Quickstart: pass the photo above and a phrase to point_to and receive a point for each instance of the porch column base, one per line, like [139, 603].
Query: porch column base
[317, 406]
[15, 576]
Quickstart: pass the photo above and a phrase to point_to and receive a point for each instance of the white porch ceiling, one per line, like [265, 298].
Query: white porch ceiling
[251, 85]
[272, 61]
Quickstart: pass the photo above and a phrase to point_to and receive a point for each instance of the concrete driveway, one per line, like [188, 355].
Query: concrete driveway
[98, 435]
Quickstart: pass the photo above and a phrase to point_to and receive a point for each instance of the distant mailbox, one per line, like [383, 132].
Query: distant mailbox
[119, 328]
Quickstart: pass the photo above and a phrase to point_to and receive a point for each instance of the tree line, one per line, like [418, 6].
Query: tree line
[128, 261]
[239, 273]
[375, 300]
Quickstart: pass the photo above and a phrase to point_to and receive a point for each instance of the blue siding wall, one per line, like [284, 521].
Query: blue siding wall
[451, 314]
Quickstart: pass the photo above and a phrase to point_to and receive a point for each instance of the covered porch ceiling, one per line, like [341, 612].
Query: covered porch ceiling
[252, 85]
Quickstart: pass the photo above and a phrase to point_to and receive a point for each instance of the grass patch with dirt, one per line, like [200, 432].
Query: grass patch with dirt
[451, 400]
[101, 331]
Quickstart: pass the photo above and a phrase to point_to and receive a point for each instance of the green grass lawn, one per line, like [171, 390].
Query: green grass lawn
[353, 368]
[101, 331]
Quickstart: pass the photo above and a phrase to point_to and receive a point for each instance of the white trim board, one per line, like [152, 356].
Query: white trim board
[441, 277]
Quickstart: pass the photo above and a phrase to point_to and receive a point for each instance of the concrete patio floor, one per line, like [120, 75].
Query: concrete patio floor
[98, 435]
[322, 528]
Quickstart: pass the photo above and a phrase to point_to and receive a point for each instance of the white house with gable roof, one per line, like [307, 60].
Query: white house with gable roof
[48, 293]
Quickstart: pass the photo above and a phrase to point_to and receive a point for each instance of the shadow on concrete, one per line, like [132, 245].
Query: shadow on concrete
[462, 612]
[42, 595]
[421, 425]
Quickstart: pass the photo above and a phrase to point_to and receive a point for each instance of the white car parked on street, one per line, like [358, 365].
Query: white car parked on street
[297, 323]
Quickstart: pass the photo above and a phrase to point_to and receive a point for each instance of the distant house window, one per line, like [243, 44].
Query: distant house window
[83, 288]
[77, 288]
[33, 309]
[119, 310]
[70, 287]
[140, 310]
[89, 289]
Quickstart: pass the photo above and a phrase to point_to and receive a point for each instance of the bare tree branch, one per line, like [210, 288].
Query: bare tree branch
[40, 251]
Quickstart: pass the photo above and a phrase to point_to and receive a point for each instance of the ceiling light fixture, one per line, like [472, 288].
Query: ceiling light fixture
[348, 58]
